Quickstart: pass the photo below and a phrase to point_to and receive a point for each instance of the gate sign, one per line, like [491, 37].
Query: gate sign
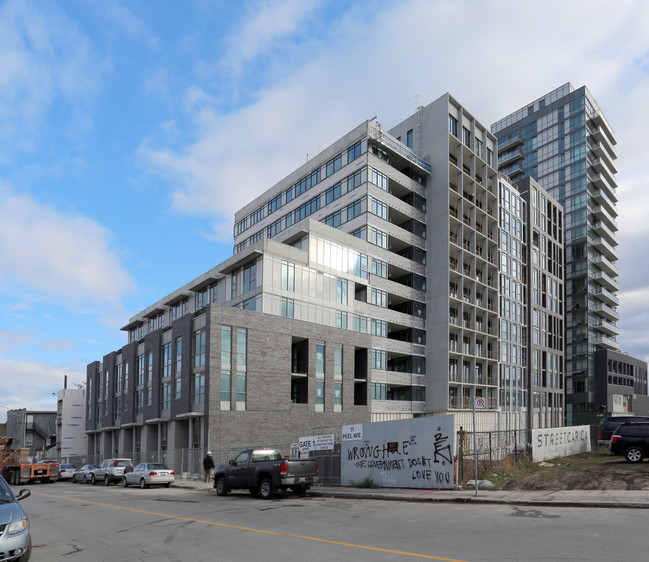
[480, 402]
[414, 453]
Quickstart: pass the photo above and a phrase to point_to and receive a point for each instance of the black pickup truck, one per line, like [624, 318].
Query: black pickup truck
[263, 472]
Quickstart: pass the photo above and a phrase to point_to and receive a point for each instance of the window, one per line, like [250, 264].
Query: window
[379, 391]
[341, 320]
[378, 297]
[334, 165]
[379, 359]
[249, 277]
[338, 362]
[288, 276]
[378, 237]
[380, 268]
[354, 152]
[452, 125]
[226, 346]
[319, 360]
[338, 394]
[179, 355]
[379, 179]
[199, 338]
[233, 286]
[275, 204]
[466, 136]
[288, 308]
[226, 386]
[379, 208]
[409, 141]
[201, 299]
[167, 360]
[341, 291]
[241, 387]
[198, 388]
[139, 366]
[165, 395]
[319, 393]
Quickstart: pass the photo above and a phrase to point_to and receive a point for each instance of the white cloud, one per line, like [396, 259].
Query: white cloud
[262, 27]
[45, 60]
[65, 256]
[33, 385]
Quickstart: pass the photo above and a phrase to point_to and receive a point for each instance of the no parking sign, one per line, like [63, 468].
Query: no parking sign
[480, 402]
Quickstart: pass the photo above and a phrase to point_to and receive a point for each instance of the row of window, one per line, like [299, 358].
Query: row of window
[301, 186]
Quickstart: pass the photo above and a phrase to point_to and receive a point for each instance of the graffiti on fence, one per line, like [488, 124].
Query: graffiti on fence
[415, 453]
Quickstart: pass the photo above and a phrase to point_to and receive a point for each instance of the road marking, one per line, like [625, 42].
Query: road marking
[240, 528]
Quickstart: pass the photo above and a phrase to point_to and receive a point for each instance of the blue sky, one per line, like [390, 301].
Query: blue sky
[130, 132]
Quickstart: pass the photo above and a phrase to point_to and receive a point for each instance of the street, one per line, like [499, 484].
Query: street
[74, 522]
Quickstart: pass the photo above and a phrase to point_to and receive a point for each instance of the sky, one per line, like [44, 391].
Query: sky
[130, 133]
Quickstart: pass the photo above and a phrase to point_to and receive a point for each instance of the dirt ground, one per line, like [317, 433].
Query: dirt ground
[589, 471]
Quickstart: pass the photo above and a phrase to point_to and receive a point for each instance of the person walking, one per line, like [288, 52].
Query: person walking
[208, 466]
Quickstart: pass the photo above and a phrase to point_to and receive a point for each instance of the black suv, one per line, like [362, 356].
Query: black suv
[609, 424]
[631, 440]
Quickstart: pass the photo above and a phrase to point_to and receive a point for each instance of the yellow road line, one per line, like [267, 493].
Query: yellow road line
[240, 528]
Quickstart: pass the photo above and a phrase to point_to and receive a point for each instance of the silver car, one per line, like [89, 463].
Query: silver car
[15, 539]
[66, 471]
[84, 474]
[147, 474]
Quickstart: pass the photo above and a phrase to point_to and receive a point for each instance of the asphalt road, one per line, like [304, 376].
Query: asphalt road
[73, 522]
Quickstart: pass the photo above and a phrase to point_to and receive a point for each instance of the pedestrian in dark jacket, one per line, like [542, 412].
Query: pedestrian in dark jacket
[208, 466]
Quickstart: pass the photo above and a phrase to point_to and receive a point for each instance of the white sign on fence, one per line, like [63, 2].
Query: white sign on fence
[352, 432]
[413, 453]
[315, 443]
[552, 443]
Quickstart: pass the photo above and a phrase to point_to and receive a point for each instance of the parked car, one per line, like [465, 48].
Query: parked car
[148, 474]
[263, 471]
[15, 537]
[111, 470]
[631, 440]
[84, 474]
[66, 471]
[609, 425]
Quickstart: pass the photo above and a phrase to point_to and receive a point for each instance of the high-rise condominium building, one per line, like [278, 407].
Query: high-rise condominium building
[564, 141]
[364, 286]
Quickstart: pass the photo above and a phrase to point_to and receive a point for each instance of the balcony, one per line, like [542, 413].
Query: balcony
[606, 343]
[606, 311]
[602, 229]
[603, 263]
[510, 143]
[604, 214]
[507, 159]
[607, 327]
[607, 297]
[606, 281]
[604, 247]
[605, 184]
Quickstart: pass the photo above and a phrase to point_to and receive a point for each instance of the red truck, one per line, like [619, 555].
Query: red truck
[263, 471]
[16, 468]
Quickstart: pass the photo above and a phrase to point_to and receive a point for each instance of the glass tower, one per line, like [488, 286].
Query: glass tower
[564, 141]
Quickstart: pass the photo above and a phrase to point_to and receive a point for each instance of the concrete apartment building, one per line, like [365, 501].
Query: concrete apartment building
[364, 286]
[71, 438]
[564, 141]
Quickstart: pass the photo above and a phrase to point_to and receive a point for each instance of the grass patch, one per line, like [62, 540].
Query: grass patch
[367, 482]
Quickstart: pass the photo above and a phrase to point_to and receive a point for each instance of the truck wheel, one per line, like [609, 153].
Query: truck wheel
[221, 487]
[266, 489]
[299, 490]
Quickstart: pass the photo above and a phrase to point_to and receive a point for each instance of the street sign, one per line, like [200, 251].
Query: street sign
[480, 402]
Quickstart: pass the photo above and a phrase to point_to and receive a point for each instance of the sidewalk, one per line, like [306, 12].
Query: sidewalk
[630, 499]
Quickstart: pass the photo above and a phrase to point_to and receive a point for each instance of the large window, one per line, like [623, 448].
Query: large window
[167, 360]
[198, 388]
[199, 338]
[288, 276]
[341, 291]
[249, 277]
[287, 308]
